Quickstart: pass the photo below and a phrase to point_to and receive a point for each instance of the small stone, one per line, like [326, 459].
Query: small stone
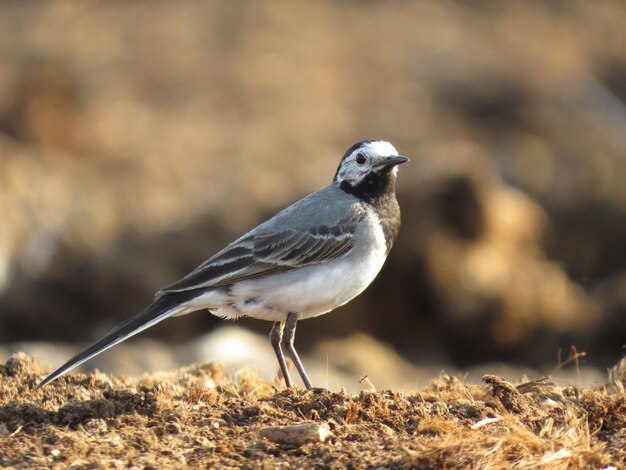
[297, 434]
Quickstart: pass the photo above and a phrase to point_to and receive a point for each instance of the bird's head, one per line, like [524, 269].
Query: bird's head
[369, 168]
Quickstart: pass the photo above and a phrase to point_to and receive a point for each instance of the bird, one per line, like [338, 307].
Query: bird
[310, 258]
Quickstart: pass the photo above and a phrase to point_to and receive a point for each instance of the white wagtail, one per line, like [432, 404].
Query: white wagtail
[312, 257]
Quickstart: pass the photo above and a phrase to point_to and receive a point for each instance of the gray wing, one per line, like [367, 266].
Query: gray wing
[265, 252]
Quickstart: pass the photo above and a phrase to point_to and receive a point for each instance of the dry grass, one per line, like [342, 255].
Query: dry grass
[196, 417]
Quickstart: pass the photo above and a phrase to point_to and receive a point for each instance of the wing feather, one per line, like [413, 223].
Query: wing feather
[267, 252]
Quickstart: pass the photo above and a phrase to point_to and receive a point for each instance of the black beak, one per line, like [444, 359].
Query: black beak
[394, 160]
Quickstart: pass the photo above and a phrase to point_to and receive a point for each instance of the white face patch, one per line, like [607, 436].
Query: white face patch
[382, 148]
[363, 160]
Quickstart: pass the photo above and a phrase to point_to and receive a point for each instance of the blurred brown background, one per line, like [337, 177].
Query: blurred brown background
[138, 138]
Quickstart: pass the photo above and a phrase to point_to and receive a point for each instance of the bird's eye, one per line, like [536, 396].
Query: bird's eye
[360, 158]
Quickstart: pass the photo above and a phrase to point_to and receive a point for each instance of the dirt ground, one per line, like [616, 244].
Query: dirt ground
[196, 417]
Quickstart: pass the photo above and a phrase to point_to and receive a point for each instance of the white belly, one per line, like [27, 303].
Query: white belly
[308, 291]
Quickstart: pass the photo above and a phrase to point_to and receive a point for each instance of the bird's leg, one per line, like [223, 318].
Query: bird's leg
[276, 336]
[290, 336]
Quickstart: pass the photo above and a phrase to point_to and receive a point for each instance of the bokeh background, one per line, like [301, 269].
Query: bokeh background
[137, 138]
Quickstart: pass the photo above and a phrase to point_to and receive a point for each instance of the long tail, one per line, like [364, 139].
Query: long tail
[159, 310]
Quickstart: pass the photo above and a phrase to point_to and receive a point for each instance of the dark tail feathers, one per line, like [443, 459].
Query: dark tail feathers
[162, 308]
